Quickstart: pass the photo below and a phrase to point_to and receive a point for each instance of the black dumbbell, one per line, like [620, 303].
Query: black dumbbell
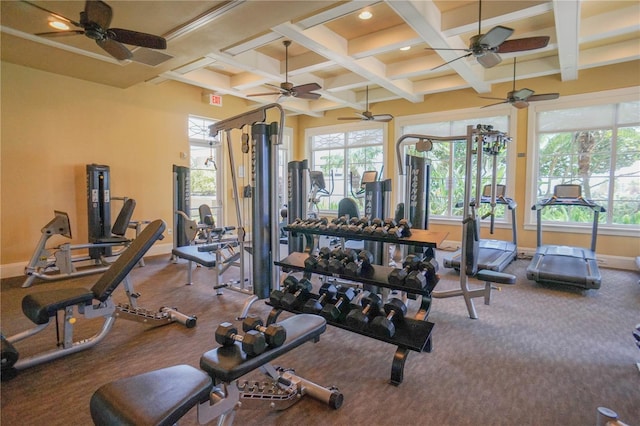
[253, 342]
[333, 311]
[274, 334]
[327, 294]
[398, 276]
[359, 318]
[292, 300]
[375, 223]
[362, 264]
[311, 263]
[289, 285]
[426, 274]
[357, 225]
[335, 265]
[323, 259]
[385, 326]
[402, 230]
[383, 230]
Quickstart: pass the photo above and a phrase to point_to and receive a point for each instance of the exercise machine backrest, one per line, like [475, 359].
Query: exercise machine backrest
[119, 269]
[348, 207]
[121, 224]
[206, 217]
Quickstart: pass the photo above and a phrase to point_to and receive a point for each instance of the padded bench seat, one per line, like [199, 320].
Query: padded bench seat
[41, 306]
[192, 254]
[495, 277]
[158, 397]
[228, 363]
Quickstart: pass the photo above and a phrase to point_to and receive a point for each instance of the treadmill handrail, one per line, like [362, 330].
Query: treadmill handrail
[561, 201]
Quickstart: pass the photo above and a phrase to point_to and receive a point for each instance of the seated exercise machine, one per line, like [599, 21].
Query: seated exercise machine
[162, 397]
[493, 255]
[559, 264]
[42, 308]
[58, 263]
[479, 139]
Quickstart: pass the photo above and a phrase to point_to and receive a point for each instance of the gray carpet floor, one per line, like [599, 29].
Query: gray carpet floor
[538, 355]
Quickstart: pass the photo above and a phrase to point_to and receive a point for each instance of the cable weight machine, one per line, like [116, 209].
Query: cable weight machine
[264, 221]
[477, 138]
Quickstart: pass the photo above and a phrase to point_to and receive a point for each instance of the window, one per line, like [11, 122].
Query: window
[447, 158]
[594, 141]
[343, 153]
[205, 169]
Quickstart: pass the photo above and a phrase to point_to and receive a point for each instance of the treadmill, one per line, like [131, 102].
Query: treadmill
[493, 255]
[556, 264]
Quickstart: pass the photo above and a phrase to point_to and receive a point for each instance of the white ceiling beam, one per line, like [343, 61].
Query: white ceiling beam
[610, 24]
[424, 17]
[440, 84]
[567, 19]
[624, 51]
[332, 46]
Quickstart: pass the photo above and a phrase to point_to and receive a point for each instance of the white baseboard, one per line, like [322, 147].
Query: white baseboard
[604, 261]
[17, 269]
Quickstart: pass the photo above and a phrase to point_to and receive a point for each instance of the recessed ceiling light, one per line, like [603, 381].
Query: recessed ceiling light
[405, 48]
[365, 14]
[58, 25]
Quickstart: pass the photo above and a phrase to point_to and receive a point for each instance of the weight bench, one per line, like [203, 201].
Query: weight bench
[163, 396]
[41, 307]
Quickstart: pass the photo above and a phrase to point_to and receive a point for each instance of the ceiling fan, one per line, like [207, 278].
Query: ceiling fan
[287, 89]
[368, 116]
[94, 21]
[521, 98]
[486, 47]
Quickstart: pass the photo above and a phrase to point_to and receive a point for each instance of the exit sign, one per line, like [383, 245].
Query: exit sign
[215, 100]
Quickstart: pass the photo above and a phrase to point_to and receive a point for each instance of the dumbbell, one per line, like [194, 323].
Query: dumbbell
[398, 276]
[296, 223]
[289, 285]
[323, 259]
[274, 334]
[375, 223]
[292, 300]
[336, 223]
[323, 221]
[403, 229]
[311, 262]
[359, 318]
[333, 311]
[385, 326]
[361, 265]
[327, 294]
[426, 274]
[357, 225]
[383, 230]
[253, 342]
[335, 264]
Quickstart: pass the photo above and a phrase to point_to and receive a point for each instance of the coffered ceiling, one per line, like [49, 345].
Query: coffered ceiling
[235, 48]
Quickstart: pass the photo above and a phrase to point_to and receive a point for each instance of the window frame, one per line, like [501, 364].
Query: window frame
[344, 128]
[568, 102]
[219, 209]
[458, 115]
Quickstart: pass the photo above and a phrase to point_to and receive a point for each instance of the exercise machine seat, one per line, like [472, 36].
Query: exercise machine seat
[348, 207]
[40, 306]
[181, 386]
[228, 363]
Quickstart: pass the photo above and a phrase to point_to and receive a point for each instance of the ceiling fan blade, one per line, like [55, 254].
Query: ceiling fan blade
[115, 49]
[445, 48]
[495, 37]
[522, 94]
[489, 59]
[57, 15]
[266, 94]
[309, 87]
[306, 95]
[543, 97]
[497, 103]
[98, 12]
[60, 33]
[137, 38]
[447, 63]
[384, 118]
[522, 44]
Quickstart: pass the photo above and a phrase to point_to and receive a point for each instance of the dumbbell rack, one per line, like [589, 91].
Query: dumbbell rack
[412, 334]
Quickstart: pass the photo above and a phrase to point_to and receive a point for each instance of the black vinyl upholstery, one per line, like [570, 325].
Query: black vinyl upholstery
[348, 207]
